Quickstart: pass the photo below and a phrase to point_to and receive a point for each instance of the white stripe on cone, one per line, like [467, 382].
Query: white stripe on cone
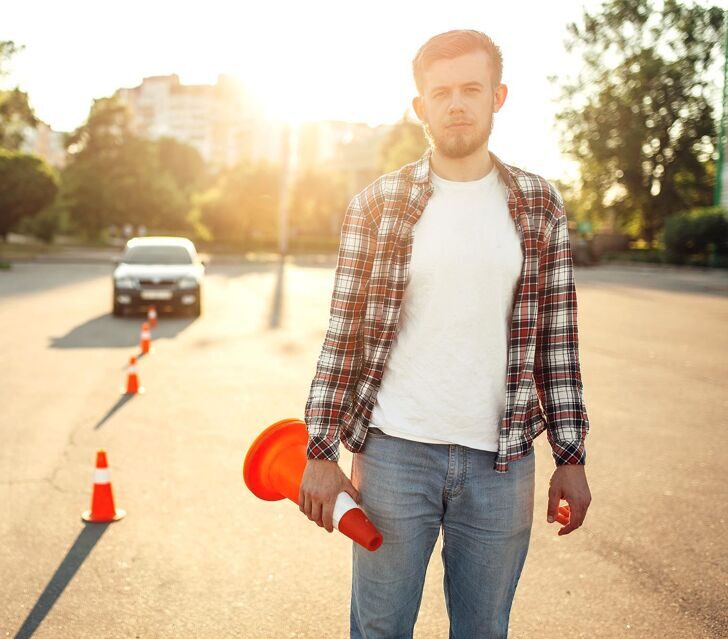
[344, 503]
[101, 476]
[132, 369]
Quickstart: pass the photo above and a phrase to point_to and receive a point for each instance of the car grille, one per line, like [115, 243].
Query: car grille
[157, 283]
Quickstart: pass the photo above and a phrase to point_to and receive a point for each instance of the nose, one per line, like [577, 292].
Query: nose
[455, 103]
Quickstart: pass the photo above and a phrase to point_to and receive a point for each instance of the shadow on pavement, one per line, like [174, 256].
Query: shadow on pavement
[81, 549]
[106, 331]
[120, 402]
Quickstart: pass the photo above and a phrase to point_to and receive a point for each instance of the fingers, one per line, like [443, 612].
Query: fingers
[553, 507]
[316, 509]
[310, 506]
[307, 505]
[319, 491]
[577, 514]
[327, 516]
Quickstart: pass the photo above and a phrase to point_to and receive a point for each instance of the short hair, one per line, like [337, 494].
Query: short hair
[452, 44]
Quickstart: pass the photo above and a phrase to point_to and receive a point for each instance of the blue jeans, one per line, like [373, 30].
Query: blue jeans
[409, 490]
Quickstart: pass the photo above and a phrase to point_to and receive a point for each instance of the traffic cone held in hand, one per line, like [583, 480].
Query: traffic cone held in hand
[102, 502]
[132, 379]
[152, 316]
[273, 470]
[146, 339]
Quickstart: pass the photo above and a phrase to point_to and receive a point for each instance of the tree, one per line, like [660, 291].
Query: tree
[115, 177]
[318, 203]
[638, 118]
[28, 185]
[243, 202]
[405, 143]
[15, 111]
[183, 162]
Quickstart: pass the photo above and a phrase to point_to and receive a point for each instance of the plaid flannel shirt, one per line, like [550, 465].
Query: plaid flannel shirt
[543, 383]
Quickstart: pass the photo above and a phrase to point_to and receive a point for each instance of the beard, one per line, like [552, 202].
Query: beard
[456, 144]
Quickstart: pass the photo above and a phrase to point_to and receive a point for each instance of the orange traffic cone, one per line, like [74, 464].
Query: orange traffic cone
[102, 503]
[273, 469]
[152, 316]
[132, 379]
[146, 338]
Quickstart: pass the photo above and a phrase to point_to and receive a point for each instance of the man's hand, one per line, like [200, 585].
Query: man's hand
[569, 482]
[321, 484]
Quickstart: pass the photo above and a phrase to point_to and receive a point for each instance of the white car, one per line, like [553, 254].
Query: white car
[164, 272]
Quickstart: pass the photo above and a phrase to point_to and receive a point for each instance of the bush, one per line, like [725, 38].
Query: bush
[45, 224]
[699, 236]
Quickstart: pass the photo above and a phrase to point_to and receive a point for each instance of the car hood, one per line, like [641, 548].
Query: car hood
[162, 271]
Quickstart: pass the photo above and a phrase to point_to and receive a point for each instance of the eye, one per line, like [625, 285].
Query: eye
[473, 89]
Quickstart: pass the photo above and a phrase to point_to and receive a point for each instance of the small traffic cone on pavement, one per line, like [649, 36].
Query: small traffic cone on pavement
[273, 470]
[102, 502]
[145, 341]
[152, 316]
[132, 378]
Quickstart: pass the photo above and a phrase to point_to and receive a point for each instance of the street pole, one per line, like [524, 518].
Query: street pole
[720, 192]
[283, 194]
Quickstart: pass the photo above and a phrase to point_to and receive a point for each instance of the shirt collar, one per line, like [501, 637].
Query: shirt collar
[419, 172]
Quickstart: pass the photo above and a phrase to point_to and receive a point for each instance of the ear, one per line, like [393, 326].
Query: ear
[499, 97]
[417, 106]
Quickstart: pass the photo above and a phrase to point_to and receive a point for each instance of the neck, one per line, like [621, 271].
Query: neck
[472, 167]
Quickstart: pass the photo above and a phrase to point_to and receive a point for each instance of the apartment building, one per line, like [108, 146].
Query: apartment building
[43, 141]
[226, 125]
[220, 120]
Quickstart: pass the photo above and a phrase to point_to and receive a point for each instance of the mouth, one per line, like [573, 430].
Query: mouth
[458, 125]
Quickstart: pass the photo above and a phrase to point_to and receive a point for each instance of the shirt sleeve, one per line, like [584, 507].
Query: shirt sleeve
[339, 363]
[557, 372]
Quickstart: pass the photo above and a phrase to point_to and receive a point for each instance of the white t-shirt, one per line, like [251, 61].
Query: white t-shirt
[445, 377]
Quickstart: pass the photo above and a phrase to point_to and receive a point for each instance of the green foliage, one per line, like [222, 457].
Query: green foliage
[15, 115]
[15, 111]
[183, 162]
[46, 224]
[242, 203]
[28, 185]
[405, 143]
[115, 177]
[318, 203]
[698, 236]
[638, 118]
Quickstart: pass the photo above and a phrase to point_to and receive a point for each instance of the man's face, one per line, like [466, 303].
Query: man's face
[457, 104]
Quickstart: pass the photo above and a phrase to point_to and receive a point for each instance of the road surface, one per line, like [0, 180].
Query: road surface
[198, 556]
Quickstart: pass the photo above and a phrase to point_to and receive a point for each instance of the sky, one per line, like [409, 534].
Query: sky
[304, 60]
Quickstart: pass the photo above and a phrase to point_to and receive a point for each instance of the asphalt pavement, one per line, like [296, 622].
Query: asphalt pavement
[197, 555]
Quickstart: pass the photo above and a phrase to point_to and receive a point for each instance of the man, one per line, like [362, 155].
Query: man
[452, 344]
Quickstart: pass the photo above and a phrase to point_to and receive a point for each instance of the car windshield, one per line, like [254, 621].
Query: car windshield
[156, 255]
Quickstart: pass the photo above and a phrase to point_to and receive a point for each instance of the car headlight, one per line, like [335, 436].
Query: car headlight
[125, 282]
[187, 282]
